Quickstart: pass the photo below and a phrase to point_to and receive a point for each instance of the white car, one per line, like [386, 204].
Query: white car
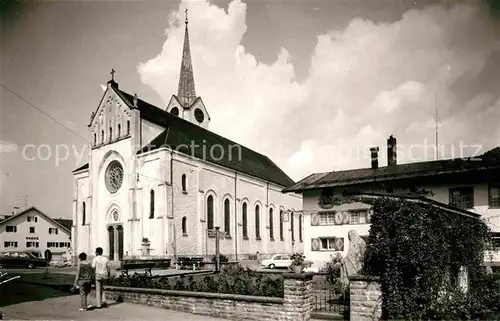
[277, 261]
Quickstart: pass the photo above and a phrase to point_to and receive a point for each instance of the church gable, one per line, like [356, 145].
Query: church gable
[112, 120]
[174, 106]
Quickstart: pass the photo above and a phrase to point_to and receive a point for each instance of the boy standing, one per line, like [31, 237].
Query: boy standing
[83, 280]
[101, 267]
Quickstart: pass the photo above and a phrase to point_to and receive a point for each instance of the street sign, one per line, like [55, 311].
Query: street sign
[48, 255]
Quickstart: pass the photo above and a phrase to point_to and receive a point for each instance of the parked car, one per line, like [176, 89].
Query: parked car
[21, 259]
[280, 261]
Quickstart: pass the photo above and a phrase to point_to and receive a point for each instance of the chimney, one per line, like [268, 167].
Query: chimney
[392, 158]
[374, 152]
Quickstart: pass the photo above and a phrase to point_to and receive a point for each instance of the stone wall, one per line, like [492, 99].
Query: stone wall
[365, 298]
[296, 305]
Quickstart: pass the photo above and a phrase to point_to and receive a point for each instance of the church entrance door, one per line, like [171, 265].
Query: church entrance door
[115, 239]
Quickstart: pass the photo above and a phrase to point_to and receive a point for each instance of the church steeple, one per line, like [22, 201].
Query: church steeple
[186, 91]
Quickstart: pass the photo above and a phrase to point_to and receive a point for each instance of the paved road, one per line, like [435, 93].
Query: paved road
[30, 302]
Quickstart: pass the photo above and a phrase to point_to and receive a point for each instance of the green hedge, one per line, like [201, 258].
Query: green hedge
[233, 280]
[417, 251]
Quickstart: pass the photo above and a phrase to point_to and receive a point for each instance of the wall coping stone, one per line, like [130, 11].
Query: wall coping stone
[221, 296]
[298, 276]
[363, 278]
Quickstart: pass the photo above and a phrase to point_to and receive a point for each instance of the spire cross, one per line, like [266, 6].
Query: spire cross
[186, 11]
[112, 74]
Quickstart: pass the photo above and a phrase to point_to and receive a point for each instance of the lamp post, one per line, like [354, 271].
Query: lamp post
[217, 245]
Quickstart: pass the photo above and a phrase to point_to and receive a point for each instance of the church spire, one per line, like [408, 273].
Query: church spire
[186, 92]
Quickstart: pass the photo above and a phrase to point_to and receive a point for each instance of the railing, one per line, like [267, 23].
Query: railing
[327, 301]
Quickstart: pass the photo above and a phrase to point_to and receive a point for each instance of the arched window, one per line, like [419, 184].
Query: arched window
[83, 213]
[244, 220]
[152, 204]
[128, 127]
[119, 131]
[292, 226]
[227, 218]
[102, 136]
[210, 212]
[95, 139]
[110, 134]
[183, 181]
[271, 225]
[281, 226]
[257, 222]
[184, 226]
[300, 228]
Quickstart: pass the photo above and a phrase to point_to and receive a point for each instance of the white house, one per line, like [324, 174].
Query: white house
[32, 230]
[469, 185]
[160, 174]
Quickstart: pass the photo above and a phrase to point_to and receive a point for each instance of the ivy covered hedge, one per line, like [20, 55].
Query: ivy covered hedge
[417, 251]
[232, 280]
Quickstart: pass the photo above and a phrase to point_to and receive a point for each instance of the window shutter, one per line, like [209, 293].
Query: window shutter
[315, 219]
[369, 216]
[339, 244]
[338, 218]
[346, 217]
[315, 244]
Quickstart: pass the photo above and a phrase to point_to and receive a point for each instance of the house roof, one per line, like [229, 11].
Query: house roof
[55, 222]
[180, 135]
[368, 198]
[65, 222]
[489, 160]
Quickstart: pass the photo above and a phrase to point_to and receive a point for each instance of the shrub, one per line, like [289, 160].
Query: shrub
[417, 250]
[297, 259]
[233, 280]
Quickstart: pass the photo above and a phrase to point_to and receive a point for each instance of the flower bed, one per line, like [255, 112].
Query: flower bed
[235, 280]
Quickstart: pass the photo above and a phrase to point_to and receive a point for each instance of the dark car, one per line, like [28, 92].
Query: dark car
[21, 259]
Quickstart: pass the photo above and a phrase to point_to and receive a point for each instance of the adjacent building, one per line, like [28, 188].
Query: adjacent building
[34, 231]
[157, 177]
[470, 185]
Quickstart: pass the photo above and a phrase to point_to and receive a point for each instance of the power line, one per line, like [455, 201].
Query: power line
[42, 111]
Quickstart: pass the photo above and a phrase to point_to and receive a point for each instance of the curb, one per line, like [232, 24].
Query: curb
[61, 287]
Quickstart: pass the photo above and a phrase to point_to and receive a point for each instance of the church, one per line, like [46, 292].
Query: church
[157, 176]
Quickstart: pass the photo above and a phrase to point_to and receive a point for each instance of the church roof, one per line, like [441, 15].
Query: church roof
[180, 135]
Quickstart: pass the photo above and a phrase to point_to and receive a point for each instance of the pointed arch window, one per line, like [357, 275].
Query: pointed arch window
[210, 212]
[257, 222]
[119, 131]
[271, 225]
[152, 204]
[110, 133]
[102, 136]
[292, 226]
[227, 218]
[128, 127]
[95, 139]
[183, 183]
[244, 220]
[184, 226]
[300, 228]
[84, 214]
[282, 237]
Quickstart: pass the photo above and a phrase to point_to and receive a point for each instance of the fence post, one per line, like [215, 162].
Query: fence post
[365, 298]
[297, 302]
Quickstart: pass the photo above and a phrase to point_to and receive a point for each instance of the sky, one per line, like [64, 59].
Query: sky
[311, 84]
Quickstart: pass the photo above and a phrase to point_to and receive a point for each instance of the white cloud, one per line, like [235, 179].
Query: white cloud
[8, 147]
[365, 82]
